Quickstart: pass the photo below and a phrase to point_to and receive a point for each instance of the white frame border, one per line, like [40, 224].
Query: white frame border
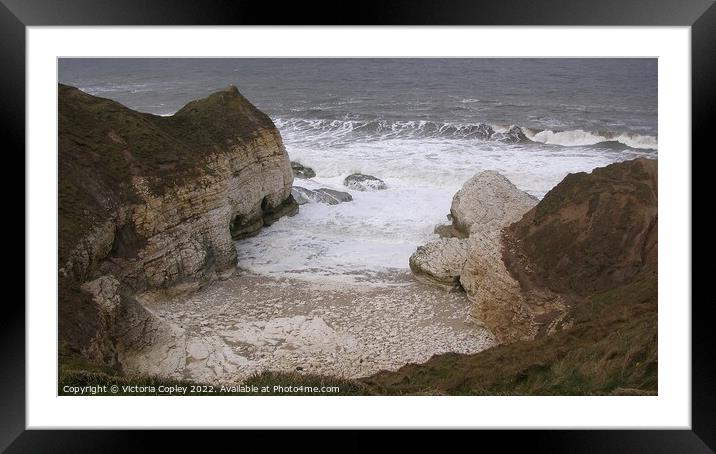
[670, 409]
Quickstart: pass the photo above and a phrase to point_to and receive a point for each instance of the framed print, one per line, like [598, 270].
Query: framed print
[384, 220]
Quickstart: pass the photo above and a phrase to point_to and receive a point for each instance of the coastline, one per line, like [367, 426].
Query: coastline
[249, 324]
[158, 295]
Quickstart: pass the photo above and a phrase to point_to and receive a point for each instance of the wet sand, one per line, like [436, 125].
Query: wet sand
[250, 323]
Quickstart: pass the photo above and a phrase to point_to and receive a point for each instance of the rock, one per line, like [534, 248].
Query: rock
[471, 257]
[440, 262]
[590, 233]
[134, 337]
[301, 171]
[360, 182]
[300, 195]
[333, 197]
[487, 202]
[321, 195]
[288, 207]
[157, 201]
[496, 297]
[448, 231]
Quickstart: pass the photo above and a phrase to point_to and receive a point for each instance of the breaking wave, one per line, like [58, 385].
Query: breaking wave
[337, 130]
[579, 137]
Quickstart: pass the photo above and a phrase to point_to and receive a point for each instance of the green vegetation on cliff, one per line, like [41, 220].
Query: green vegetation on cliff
[611, 349]
[75, 371]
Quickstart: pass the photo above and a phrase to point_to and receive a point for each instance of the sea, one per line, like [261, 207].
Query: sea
[422, 125]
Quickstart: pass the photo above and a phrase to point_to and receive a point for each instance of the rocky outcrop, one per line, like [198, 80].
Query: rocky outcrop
[480, 209]
[321, 195]
[360, 182]
[525, 268]
[592, 241]
[301, 171]
[487, 202]
[149, 202]
[440, 262]
[134, 339]
[590, 233]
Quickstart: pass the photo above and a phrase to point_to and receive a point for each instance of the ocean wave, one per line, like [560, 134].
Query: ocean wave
[579, 137]
[336, 130]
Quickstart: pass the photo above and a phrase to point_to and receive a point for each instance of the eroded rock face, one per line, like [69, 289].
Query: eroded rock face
[153, 202]
[360, 182]
[487, 202]
[131, 337]
[440, 262]
[470, 256]
[497, 300]
[591, 233]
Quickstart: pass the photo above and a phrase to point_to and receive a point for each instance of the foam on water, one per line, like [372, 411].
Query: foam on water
[333, 132]
[582, 138]
[377, 232]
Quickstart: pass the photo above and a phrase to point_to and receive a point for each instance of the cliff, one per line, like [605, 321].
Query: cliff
[610, 349]
[570, 289]
[592, 232]
[149, 202]
[525, 265]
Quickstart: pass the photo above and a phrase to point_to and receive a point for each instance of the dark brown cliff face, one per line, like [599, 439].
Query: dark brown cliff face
[148, 202]
[590, 233]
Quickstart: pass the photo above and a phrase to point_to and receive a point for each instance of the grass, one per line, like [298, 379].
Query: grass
[611, 349]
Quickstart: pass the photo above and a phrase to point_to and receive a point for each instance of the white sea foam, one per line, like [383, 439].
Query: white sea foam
[379, 230]
[334, 132]
[584, 138]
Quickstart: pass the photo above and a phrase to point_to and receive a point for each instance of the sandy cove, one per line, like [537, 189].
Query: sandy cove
[250, 323]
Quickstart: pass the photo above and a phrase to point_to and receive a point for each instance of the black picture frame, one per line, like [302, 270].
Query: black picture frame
[16, 15]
